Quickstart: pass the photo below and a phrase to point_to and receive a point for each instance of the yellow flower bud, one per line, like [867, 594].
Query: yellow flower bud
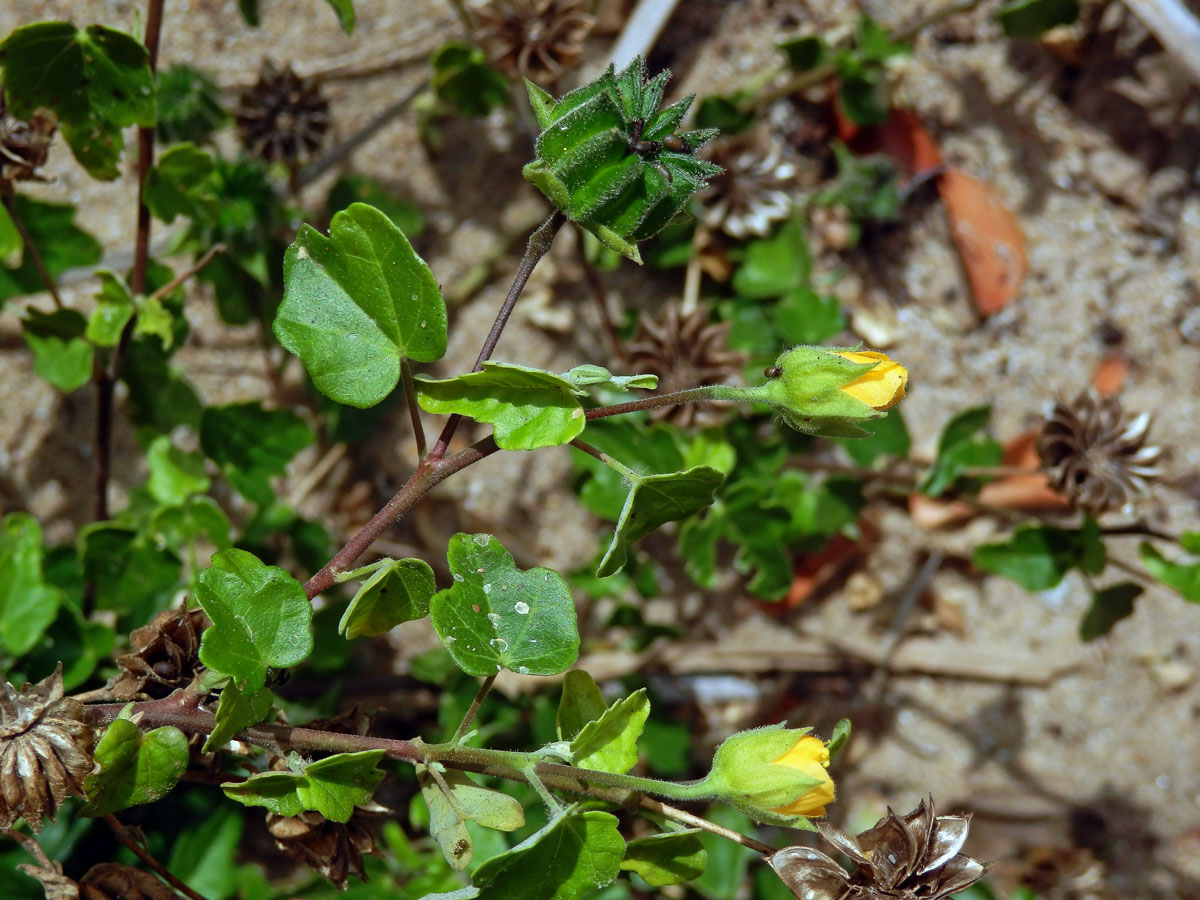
[810, 756]
[881, 387]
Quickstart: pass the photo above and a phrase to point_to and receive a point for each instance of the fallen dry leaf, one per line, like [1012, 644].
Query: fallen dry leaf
[988, 238]
[1109, 376]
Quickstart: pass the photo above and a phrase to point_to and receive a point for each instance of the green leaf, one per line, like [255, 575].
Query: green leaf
[353, 188]
[131, 574]
[670, 858]
[802, 316]
[1109, 606]
[174, 474]
[771, 267]
[261, 618]
[198, 517]
[1183, 577]
[202, 857]
[114, 308]
[97, 81]
[332, 786]
[1037, 557]
[466, 802]
[837, 740]
[189, 105]
[356, 303]
[654, 500]
[573, 854]
[724, 113]
[462, 77]
[12, 248]
[529, 408]
[61, 244]
[497, 616]
[60, 353]
[609, 743]
[725, 872]
[807, 51]
[135, 768]
[235, 712]
[398, 591]
[28, 605]
[344, 10]
[1033, 18]
[581, 703]
[889, 438]
[179, 185]
[959, 449]
[252, 444]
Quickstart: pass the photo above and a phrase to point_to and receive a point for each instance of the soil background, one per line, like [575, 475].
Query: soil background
[1075, 752]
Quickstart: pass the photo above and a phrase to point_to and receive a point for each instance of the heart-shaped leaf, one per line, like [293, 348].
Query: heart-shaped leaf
[356, 303]
[609, 743]
[662, 859]
[496, 616]
[134, 768]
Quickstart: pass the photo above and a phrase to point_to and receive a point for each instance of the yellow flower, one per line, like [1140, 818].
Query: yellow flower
[810, 756]
[881, 387]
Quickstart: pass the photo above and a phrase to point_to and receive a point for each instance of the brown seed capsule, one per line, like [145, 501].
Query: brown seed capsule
[334, 849]
[114, 881]
[903, 857]
[24, 145]
[684, 351]
[284, 117]
[45, 750]
[1093, 455]
[534, 39]
[164, 657]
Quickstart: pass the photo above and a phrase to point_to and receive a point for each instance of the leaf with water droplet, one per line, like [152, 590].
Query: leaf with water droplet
[364, 279]
[479, 618]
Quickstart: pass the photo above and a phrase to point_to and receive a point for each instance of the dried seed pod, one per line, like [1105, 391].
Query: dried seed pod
[534, 39]
[24, 145]
[45, 750]
[283, 117]
[684, 352]
[1093, 455]
[752, 193]
[114, 881]
[904, 857]
[164, 657]
[332, 848]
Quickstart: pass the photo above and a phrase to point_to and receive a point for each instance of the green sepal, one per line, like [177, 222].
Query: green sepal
[589, 165]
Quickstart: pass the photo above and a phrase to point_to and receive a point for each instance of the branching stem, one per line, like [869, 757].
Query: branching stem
[538, 246]
[122, 834]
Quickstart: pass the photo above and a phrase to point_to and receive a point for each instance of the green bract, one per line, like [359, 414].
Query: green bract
[605, 156]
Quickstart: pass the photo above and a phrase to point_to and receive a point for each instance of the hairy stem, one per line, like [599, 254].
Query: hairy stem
[429, 472]
[484, 689]
[538, 246]
[691, 395]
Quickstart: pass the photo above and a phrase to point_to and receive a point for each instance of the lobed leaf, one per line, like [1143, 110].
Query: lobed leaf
[573, 854]
[261, 618]
[356, 303]
[252, 444]
[180, 185]
[61, 244]
[97, 81]
[496, 615]
[332, 786]
[236, 711]
[1109, 606]
[609, 743]
[1037, 557]
[61, 355]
